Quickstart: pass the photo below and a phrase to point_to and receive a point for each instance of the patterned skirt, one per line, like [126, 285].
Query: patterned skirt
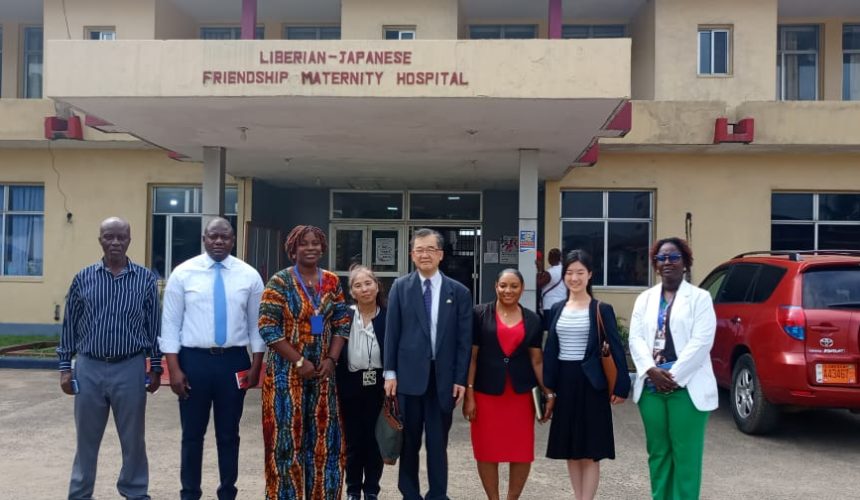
[302, 433]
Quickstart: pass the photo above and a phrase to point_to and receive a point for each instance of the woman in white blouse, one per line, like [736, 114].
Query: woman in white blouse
[360, 384]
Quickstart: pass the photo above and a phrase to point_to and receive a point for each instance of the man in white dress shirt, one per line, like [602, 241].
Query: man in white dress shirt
[211, 305]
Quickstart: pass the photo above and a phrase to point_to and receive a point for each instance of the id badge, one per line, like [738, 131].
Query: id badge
[316, 324]
[368, 378]
[659, 344]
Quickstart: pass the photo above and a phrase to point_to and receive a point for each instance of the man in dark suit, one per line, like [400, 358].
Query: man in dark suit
[428, 346]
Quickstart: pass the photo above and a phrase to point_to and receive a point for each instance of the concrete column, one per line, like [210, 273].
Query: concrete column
[214, 179]
[554, 20]
[249, 19]
[528, 224]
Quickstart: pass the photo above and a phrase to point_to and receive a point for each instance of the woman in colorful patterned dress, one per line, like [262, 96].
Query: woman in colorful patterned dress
[305, 322]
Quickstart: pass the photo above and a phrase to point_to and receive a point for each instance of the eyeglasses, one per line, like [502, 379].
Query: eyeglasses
[671, 257]
[425, 251]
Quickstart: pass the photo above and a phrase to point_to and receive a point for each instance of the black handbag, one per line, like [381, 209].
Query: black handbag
[389, 431]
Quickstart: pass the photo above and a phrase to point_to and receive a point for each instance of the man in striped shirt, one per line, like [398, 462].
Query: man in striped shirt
[111, 324]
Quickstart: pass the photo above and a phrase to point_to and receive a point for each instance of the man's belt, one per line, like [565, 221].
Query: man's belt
[114, 359]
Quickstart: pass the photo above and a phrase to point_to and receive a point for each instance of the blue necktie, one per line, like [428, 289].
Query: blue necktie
[220, 306]
[428, 306]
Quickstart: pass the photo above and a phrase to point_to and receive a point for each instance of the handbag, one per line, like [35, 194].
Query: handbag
[389, 431]
[606, 361]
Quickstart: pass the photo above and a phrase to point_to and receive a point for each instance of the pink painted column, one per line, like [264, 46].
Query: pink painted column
[554, 19]
[249, 19]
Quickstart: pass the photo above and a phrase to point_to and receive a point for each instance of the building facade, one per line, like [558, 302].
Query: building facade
[509, 126]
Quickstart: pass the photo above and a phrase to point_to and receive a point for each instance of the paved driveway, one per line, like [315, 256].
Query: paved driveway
[815, 455]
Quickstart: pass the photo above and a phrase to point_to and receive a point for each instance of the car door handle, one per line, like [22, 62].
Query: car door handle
[736, 320]
[824, 329]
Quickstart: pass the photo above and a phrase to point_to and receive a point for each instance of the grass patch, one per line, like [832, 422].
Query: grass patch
[7, 340]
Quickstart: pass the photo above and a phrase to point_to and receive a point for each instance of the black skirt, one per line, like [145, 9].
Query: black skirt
[581, 425]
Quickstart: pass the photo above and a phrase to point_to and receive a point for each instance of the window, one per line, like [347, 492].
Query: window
[851, 63]
[22, 229]
[177, 224]
[445, 206]
[738, 284]
[815, 221]
[615, 228]
[367, 205]
[100, 33]
[714, 49]
[312, 32]
[401, 33]
[33, 44]
[831, 288]
[228, 33]
[714, 281]
[593, 31]
[797, 63]
[502, 31]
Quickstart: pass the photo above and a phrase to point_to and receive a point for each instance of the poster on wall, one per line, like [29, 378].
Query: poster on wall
[508, 250]
[385, 252]
[528, 241]
[491, 255]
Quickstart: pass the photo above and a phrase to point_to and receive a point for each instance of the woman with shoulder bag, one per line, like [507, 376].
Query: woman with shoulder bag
[581, 429]
[360, 384]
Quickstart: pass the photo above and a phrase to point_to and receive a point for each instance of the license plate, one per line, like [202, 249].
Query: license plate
[832, 373]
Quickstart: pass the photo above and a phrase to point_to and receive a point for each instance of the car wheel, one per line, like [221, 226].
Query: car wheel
[753, 413]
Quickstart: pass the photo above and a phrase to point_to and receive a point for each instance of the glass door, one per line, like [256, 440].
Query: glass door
[379, 247]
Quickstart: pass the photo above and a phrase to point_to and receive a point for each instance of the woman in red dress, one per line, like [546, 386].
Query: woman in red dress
[506, 364]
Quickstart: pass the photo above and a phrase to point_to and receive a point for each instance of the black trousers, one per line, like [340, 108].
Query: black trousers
[423, 414]
[360, 407]
[213, 388]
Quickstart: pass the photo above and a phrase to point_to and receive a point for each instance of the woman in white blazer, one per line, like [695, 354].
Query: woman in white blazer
[671, 334]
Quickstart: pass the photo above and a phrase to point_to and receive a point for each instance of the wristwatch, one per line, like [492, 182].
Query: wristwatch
[300, 362]
[333, 360]
[550, 395]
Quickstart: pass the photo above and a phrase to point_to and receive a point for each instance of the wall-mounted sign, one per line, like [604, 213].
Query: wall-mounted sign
[528, 241]
[385, 255]
[346, 67]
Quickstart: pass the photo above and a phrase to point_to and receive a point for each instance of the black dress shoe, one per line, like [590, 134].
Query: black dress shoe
[371, 496]
[352, 497]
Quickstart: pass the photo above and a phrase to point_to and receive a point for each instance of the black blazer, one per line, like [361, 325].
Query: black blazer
[492, 366]
[591, 362]
[349, 384]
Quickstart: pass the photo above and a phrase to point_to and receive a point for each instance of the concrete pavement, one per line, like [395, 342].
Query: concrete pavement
[815, 455]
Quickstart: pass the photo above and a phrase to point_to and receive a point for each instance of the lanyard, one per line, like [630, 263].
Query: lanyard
[664, 309]
[315, 298]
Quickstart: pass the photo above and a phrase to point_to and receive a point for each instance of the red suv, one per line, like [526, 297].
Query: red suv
[788, 329]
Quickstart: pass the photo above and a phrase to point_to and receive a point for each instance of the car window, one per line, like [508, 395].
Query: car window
[738, 284]
[714, 280]
[832, 287]
[766, 281]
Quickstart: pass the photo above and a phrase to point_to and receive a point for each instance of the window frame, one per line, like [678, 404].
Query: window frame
[235, 30]
[5, 213]
[606, 219]
[196, 203]
[316, 27]
[400, 29]
[25, 54]
[845, 74]
[406, 209]
[781, 52]
[90, 30]
[712, 30]
[502, 29]
[815, 221]
[590, 31]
